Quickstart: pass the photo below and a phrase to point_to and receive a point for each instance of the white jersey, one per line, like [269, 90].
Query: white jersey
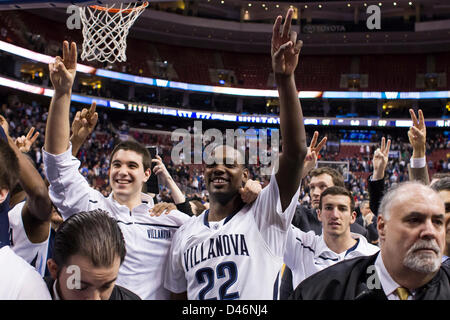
[19, 280]
[147, 238]
[33, 253]
[307, 253]
[239, 257]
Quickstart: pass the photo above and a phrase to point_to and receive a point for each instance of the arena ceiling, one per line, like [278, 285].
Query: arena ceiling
[326, 27]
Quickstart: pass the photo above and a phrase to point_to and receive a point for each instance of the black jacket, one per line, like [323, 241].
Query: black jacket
[118, 293]
[349, 279]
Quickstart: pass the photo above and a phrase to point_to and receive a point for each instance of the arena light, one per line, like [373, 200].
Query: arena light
[31, 55]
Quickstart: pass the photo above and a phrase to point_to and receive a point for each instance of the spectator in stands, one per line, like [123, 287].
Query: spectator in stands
[19, 280]
[308, 253]
[412, 240]
[89, 249]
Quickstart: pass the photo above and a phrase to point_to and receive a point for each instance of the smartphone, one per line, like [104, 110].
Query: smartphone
[152, 182]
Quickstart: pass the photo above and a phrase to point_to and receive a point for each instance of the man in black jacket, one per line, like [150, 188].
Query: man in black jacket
[88, 251]
[412, 238]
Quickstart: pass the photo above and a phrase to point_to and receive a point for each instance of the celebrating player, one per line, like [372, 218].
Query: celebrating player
[147, 238]
[233, 250]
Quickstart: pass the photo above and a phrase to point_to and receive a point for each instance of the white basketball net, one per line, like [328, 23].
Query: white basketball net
[105, 31]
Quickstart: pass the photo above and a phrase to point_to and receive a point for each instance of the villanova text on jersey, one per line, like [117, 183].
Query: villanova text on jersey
[159, 234]
[220, 246]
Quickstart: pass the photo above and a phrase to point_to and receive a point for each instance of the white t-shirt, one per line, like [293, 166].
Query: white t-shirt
[33, 253]
[307, 253]
[147, 238]
[19, 280]
[239, 257]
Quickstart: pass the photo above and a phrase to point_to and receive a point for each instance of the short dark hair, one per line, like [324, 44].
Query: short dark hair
[336, 191]
[336, 176]
[9, 166]
[440, 175]
[136, 147]
[441, 185]
[92, 234]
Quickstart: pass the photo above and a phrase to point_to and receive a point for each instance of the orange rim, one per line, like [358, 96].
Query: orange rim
[116, 10]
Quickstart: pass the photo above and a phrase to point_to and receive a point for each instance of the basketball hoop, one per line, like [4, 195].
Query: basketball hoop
[105, 30]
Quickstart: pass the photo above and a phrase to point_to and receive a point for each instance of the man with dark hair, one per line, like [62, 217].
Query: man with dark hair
[30, 218]
[9, 162]
[147, 237]
[408, 266]
[90, 246]
[235, 250]
[442, 187]
[307, 253]
[18, 280]
[306, 218]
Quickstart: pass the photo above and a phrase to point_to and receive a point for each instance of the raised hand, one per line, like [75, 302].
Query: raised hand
[160, 170]
[24, 143]
[285, 47]
[84, 123]
[313, 153]
[380, 159]
[63, 71]
[417, 134]
[250, 191]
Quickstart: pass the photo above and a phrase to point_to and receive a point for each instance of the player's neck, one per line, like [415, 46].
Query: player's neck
[339, 244]
[219, 210]
[131, 201]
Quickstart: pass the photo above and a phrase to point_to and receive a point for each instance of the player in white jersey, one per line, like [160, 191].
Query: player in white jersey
[233, 250]
[34, 253]
[307, 253]
[147, 238]
[19, 280]
[29, 220]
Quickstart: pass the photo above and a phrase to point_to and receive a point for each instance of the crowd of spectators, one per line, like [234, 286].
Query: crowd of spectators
[94, 154]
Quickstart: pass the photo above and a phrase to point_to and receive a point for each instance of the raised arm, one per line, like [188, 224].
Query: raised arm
[37, 211]
[376, 182]
[62, 75]
[82, 126]
[285, 51]
[165, 178]
[417, 135]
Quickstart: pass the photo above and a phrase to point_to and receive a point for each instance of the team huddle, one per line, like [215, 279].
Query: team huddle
[66, 241]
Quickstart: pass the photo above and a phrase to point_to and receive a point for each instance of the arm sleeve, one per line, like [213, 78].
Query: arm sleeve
[185, 207]
[419, 174]
[376, 192]
[33, 287]
[272, 222]
[174, 278]
[69, 190]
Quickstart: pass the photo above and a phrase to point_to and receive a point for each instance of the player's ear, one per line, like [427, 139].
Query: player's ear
[52, 268]
[147, 174]
[353, 217]
[245, 175]
[381, 226]
[3, 194]
[319, 215]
